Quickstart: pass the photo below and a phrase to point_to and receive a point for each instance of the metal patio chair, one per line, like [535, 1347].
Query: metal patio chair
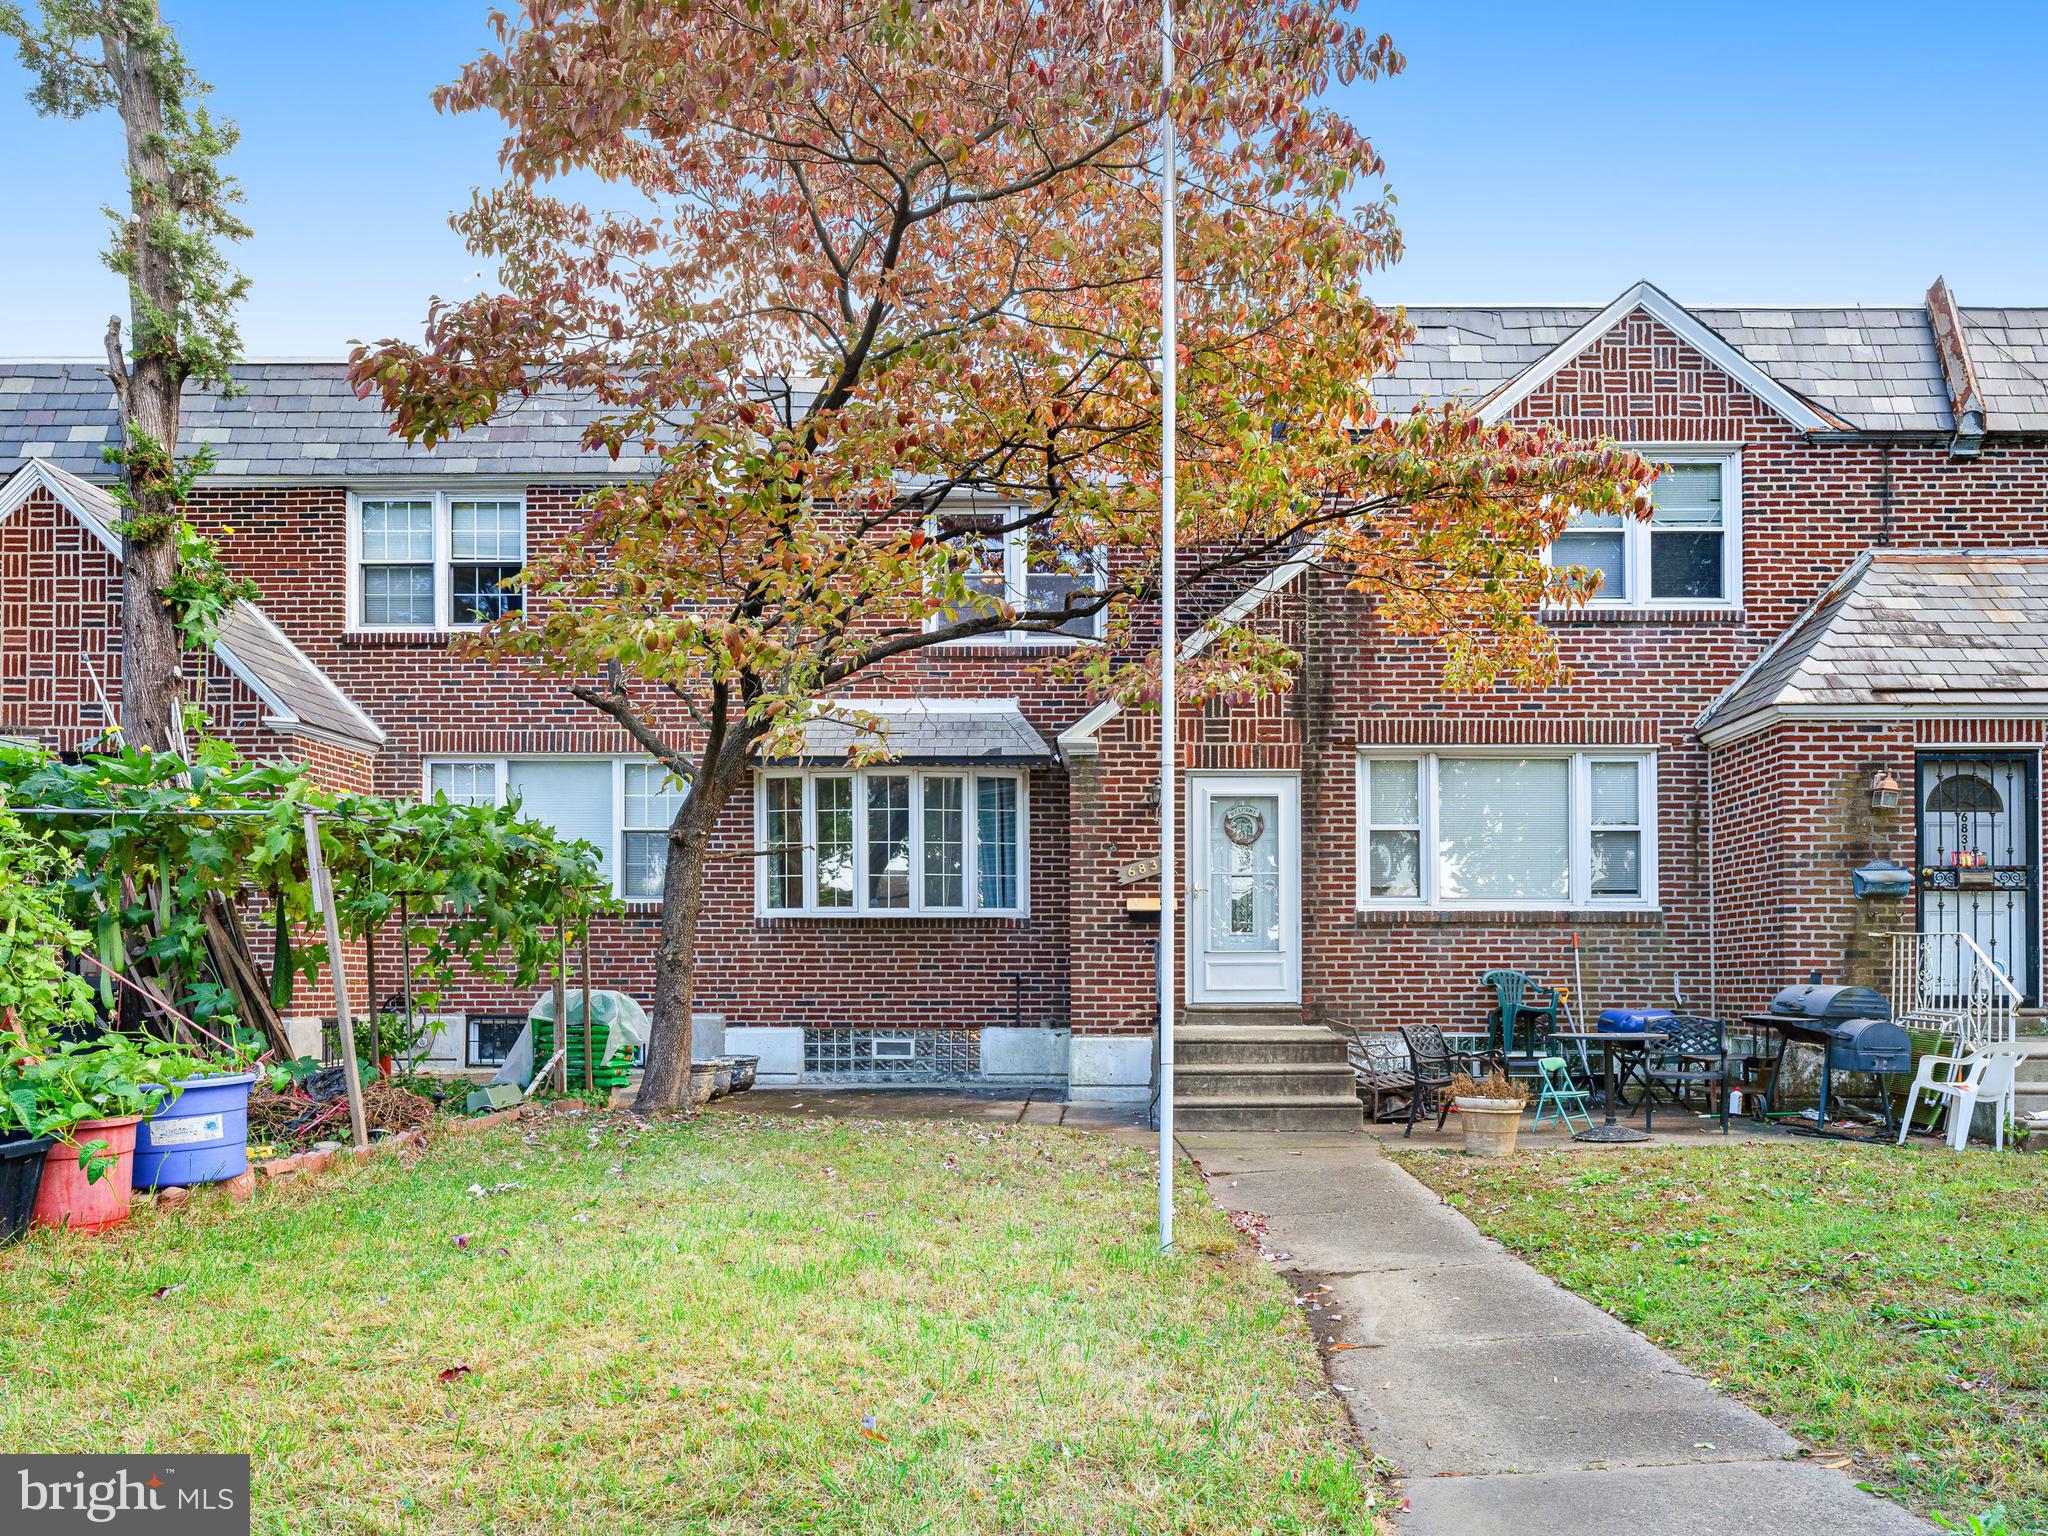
[1386, 1083]
[1694, 1055]
[1431, 1060]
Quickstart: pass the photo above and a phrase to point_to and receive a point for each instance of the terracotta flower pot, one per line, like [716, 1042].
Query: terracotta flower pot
[68, 1200]
[1491, 1126]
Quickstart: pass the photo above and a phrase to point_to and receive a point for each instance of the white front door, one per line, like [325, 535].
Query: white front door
[1244, 887]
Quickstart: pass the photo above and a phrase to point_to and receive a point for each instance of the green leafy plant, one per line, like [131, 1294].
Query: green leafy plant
[51, 1088]
[37, 993]
[485, 889]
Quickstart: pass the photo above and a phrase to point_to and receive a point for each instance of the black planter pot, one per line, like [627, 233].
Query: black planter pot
[21, 1175]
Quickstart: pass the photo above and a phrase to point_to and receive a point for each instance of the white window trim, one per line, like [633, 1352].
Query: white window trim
[1016, 589]
[860, 911]
[501, 765]
[444, 555]
[1580, 897]
[1635, 535]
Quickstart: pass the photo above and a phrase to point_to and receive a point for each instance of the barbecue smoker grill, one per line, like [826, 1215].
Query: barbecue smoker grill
[1853, 1028]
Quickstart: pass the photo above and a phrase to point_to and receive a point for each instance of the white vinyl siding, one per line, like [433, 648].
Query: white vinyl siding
[1519, 828]
[621, 806]
[1688, 553]
[892, 842]
[433, 561]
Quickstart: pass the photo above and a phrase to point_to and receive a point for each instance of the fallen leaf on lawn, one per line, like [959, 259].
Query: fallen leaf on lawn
[456, 1373]
[460, 1239]
[166, 1290]
[1335, 1347]
[869, 1432]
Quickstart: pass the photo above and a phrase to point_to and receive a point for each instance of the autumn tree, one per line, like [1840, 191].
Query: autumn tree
[85, 56]
[884, 285]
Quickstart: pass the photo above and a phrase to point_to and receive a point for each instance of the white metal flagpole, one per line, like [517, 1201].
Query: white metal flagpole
[1169, 638]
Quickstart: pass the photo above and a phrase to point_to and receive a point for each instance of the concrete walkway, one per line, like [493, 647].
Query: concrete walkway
[1508, 1404]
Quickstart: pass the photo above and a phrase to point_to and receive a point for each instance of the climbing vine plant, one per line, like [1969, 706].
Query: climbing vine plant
[154, 844]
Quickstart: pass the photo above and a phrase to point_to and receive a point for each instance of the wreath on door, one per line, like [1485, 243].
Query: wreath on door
[1243, 824]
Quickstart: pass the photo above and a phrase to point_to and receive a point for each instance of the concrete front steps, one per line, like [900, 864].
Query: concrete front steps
[1260, 1069]
[2030, 1089]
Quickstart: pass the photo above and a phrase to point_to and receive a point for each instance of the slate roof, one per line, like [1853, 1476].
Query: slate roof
[981, 731]
[1876, 368]
[1906, 627]
[297, 693]
[296, 421]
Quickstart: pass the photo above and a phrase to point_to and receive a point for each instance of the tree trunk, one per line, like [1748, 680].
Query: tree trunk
[666, 1082]
[152, 686]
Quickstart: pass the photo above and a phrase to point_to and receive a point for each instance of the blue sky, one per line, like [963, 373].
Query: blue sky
[1787, 152]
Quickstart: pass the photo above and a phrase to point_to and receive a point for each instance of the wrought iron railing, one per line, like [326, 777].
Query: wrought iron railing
[1946, 981]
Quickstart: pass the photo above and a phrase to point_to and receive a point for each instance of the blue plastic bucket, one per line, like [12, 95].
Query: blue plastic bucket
[202, 1138]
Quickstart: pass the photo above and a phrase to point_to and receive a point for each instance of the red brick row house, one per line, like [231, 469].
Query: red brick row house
[1841, 589]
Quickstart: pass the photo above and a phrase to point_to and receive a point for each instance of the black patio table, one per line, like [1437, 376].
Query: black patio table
[1610, 1041]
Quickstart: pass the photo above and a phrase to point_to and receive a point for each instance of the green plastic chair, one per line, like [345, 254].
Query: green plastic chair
[1559, 1094]
[1519, 996]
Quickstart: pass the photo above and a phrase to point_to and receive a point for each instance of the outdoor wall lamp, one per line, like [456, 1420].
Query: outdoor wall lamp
[1884, 791]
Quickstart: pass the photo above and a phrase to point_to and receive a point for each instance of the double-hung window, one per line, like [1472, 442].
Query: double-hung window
[1687, 555]
[434, 560]
[884, 842]
[1021, 567]
[621, 806]
[1506, 829]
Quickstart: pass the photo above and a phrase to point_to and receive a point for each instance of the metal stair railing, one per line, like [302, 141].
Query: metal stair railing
[1946, 982]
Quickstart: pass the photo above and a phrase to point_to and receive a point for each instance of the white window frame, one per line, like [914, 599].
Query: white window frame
[502, 766]
[443, 499]
[1579, 897]
[1636, 535]
[860, 910]
[1016, 580]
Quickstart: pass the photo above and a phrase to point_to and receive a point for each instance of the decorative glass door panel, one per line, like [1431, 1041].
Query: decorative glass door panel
[1244, 863]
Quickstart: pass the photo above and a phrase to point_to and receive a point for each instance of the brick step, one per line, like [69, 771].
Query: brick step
[1238, 1081]
[1257, 1044]
[1281, 1114]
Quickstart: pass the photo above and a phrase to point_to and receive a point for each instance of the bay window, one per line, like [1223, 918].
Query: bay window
[434, 560]
[1506, 829]
[1686, 555]
[892, 842]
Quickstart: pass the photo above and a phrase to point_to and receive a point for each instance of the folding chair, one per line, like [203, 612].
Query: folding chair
[1560, 1094]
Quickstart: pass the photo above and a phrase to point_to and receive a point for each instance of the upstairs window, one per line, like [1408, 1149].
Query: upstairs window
[1027, 570]
[434, 561]
[1685, 556]
[887, 842]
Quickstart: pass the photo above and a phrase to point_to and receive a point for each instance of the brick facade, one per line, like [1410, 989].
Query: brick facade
[1754, 839]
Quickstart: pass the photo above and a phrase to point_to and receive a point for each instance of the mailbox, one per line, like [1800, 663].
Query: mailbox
[1883, 878]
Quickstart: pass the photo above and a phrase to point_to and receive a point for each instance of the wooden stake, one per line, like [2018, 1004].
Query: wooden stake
[589, 1068]
[562, 1008]
[405, 960]
[323, 898]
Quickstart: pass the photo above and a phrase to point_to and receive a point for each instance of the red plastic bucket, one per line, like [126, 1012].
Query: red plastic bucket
[67, 1200]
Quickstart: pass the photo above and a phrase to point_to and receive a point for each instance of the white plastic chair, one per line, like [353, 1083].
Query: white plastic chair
[1981, 1076]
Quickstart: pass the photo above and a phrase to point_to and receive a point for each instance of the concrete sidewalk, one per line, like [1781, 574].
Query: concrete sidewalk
[1508, 1404]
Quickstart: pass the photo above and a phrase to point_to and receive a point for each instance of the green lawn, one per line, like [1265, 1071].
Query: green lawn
[1889, 1303]
[738, 1325]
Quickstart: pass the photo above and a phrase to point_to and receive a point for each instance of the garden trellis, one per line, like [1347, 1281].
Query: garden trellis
[167, 855]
